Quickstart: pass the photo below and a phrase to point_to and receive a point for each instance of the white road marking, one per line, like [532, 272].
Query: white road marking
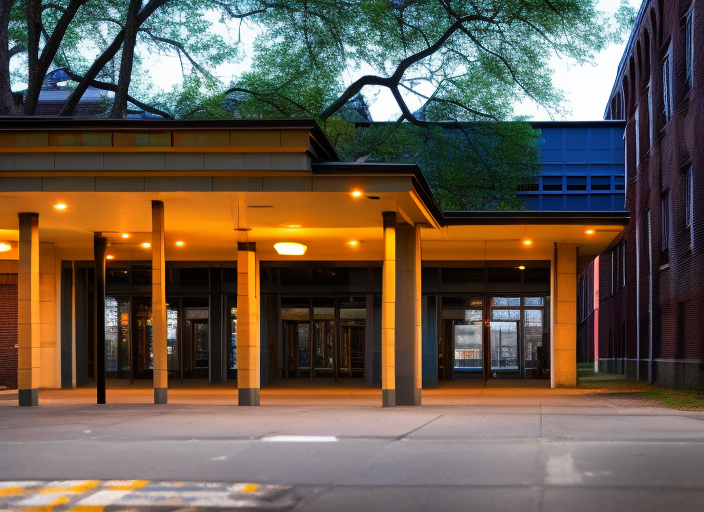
[300, 439]
[561, 471]
[102, 498]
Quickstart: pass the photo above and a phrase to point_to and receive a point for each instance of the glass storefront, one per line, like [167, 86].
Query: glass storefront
[330, 342]
[502, 335]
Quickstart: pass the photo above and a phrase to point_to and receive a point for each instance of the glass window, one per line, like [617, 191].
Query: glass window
[552, 183]
[601, 182]
[506, 301]
[473, 315]
[506, 314]
[666, 88]
[689, 46]
[665, 220]
[576, 183]
[688, 198]
[533, 301]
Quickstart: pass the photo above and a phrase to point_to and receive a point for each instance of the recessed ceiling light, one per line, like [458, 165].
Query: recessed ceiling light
[294, 226]
[146, 245]
[527, 242]
[5, 246]
[125, 235]
[60, 206]
[109, 257]
[180, 243]
[356, 193]
[590, 231]
[290, 248]
[353, 242]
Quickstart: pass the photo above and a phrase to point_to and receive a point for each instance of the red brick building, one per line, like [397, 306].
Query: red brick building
[651, 307]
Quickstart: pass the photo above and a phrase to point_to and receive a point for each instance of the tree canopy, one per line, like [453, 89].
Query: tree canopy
[448, 65]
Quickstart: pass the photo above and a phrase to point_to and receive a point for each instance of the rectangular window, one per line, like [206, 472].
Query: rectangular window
[666, 88]
[688, 198]
[637, 123]
[665, 220]
[689, 46]
[651, 135]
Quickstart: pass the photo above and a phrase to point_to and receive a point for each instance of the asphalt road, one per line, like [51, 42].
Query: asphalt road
[523, 453]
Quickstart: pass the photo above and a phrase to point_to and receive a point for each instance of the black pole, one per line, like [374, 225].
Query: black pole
[100, 246]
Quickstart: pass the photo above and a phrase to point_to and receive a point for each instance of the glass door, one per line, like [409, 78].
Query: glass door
[143, 355]
[117, 337]
[353, 318]
[297, 340]
[324, 341]
[231, 343]
[468, 342]
[196, 342]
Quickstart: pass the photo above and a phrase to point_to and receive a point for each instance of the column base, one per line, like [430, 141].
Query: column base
[29, 397]
[388, 398]
[248, 396]
[406, 392]
[161, 395]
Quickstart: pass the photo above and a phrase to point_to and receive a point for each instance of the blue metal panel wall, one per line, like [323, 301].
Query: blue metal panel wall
[582, 167]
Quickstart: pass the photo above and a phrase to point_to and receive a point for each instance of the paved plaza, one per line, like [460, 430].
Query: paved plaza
[318, 447]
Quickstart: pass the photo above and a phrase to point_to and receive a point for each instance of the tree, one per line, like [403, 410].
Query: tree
[448, 65]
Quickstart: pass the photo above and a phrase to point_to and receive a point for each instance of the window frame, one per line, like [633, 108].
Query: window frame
[665, 221]
[689, 46]
[689, 200]
[667, 85]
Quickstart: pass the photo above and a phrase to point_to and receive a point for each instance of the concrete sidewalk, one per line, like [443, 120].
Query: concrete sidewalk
[342, 393]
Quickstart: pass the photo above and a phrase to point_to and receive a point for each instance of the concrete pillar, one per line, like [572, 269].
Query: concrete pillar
[564, 325]
[388, 313]
[160, 363]
[28, 316]
[408, 317]
[100, 249]
[248, 343]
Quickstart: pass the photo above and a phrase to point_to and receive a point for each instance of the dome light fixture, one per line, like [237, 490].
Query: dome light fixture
[290, 248]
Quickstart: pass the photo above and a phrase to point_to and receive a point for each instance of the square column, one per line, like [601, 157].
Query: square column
[408, 316]
[100, 245]
[161, 375]
[388, 313]
[248, 319]
[564, 325]
[28, 329]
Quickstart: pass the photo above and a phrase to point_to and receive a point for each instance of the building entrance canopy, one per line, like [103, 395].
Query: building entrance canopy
[229, 191]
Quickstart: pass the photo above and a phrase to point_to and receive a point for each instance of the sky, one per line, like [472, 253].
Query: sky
[587, 88]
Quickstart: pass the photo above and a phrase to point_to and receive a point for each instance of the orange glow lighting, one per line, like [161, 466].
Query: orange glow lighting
[521, 267]
[60, 206]
[353, 242]
[356, 193]
[180, 243]
[527, 242]
[125, 235]
[589, 231]
[146, 245]
[5, 246]
[109, 257]
[290, 248]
